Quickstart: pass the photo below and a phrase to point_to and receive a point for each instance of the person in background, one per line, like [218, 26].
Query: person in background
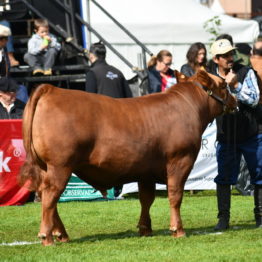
[196, 59]
[42, 49]
[5, 32]
[239, 60]
[103, 78]
[4, 59]
[243, 53]
[160, 75]
[107, 80]
[238, 134]
[10, 106]
[256, 62]
[10, 45]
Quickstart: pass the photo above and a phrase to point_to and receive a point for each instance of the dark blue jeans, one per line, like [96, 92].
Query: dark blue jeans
[229, 156]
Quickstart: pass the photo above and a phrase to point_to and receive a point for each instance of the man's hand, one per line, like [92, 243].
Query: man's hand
[231, 79]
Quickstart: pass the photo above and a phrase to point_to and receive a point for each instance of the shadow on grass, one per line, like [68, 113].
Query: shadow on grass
[163, 232]
[210, 230]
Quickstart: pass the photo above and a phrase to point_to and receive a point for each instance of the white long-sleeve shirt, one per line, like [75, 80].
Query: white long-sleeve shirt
[35, 43]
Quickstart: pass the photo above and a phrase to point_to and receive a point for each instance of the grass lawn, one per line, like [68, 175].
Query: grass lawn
[106, 231]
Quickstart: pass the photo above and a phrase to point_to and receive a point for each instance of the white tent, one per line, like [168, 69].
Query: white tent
[166, 24]
[217, 7]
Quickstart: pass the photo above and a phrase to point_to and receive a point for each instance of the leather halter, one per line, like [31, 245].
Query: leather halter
[219, 99]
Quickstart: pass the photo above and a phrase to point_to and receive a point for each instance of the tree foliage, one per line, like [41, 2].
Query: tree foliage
[213, 27]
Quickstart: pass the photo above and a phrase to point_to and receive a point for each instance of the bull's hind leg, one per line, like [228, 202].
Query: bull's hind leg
[54, 182]
[59, 231]
[146, 197]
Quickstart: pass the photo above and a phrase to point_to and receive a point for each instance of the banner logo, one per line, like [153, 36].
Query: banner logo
[4, 163]
[17, 152]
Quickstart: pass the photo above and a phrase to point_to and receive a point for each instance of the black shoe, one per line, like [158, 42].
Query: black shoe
[223, 224]
[259, 222]
[223, 204]
[258, 205]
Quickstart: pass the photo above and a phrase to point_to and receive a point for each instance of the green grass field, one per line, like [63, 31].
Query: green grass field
[106, 231]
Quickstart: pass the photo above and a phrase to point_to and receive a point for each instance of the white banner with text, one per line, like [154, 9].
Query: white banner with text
[205, 168]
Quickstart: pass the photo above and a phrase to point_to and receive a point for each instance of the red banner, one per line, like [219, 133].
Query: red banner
[12, 156]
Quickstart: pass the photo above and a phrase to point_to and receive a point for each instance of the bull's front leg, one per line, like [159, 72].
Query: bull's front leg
[177, 175]
[175, 199]
[146, 197]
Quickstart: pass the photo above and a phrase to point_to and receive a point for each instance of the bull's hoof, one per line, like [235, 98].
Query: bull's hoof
[63, 239]
[60, 237]
[46, 241]
[144, 231]
[175, 234]
[41, 236]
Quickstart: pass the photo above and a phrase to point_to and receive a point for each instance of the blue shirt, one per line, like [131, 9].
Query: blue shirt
[248, 92]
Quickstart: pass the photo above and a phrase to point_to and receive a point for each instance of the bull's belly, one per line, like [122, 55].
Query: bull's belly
[104, 178]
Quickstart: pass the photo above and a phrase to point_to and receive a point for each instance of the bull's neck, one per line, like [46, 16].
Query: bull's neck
[215, 108]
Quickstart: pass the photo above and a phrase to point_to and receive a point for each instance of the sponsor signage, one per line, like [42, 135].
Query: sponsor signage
[12, 156]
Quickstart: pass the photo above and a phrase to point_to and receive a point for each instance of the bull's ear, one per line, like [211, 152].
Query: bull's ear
[180, 77]
[204, 79]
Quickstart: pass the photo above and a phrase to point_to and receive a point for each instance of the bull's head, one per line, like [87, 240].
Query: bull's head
[217, 88]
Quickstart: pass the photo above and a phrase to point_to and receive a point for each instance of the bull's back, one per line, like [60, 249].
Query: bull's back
[82, 127]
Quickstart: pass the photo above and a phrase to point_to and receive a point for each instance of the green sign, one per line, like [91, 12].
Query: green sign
[77, 189]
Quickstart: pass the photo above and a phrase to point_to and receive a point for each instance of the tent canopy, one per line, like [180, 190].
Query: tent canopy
[217, 7]
[167, 21]
[168, 24]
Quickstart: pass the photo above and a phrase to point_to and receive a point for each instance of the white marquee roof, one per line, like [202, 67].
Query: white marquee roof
[165, 21]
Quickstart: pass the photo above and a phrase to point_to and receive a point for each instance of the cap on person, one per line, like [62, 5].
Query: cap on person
[4, 31]
[221, 47]
[8, 85]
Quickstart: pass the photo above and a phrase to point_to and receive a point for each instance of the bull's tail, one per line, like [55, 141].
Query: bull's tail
[30, 172]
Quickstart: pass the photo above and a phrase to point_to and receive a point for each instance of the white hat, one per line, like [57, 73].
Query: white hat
[221, 47]
[4, 31]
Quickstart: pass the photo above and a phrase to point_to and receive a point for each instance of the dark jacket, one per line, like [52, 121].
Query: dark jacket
[187, 70]
[15, 113]
[240, 126]
[107, 80]
[4, 64]
[155, 79]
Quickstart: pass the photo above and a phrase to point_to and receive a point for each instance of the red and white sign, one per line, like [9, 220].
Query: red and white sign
[12, 156]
